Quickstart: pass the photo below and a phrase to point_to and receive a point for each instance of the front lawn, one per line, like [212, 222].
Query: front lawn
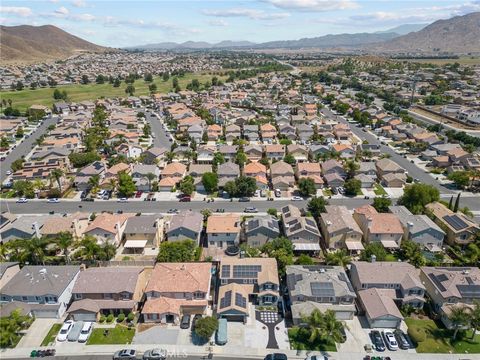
[327, 192]
[118, 335]
[299, 341]
[439, 339]
[52, 334]
[379, 190]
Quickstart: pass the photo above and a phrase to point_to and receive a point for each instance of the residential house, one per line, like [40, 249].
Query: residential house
[250, 132]
[177, 289]
[301, 231]
[310, 170]
[223, 230]
[107, 290]
[366, 181]
[141, 173]
[345, 151]
[185, 225]
[460, 229]
[229, 152]
[333, 167]
[232, 132]
[253, 152]
[108, 227]
[274, 152]
[141, 232]
[334, 180]
[450, 288]
[171, 175]
[386, 166]
[339, 229]
[246, 280]
[197, 171]
[299, 152]
[74, 224]
[260, 229]
[206, 154]
[318, 287]
[419, 229]
[384, 287]
[304, 132]
[287, 131]
[282, 175]
[23, 227]
[228, 171]
[8, 270]
[47, 290]
[195, 132]
[214, 132]
[268, 132]
[154, 155]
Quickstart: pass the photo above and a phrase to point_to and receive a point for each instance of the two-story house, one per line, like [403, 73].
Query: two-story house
[223, 230]
[313, 287]
[260, 229]
[185, 225]
[339, 229]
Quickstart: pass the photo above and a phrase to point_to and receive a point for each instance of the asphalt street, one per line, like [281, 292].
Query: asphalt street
[413, 170]
[25, 146]
[162, 137]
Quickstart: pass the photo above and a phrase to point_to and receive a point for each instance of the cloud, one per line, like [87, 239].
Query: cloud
[245, 12]
[79, 3]
[16, 10]
[218, 22]
[314, 5]
[62, 11]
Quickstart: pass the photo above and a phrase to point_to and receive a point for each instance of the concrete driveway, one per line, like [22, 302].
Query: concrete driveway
[37, 332]
[157, 335]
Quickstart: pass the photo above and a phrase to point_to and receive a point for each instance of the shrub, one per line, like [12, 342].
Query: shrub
[102, 318]
[130, 316]
[121, 317]
[110, 318]
[417, 335]
[205, 327]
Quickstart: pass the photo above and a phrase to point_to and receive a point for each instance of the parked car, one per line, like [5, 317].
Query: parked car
[250, 210]
[155, 354]
[86, 331]
[75, 332]
[22, 200]
[128, 354]
[172, 211]
[9, 172]
[138, 194]
[53, 200]
[390, 340]
[297, 198]
[185, 323]
[316, 357]
[402, 340]
[377, 340]
[244, 199]
[278, 193]
[122, 199]
[221, 337]
[276, 356]
[64, 330]
[185, 198]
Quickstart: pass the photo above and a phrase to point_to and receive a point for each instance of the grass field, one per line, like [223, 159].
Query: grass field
[52, 334]
[118, 335]
[77, 92]
[438, 340]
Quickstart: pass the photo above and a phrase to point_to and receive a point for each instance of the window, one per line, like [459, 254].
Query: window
[77, 296]
[198, 295]
[126, 296]
[24, 298]
[107, 296]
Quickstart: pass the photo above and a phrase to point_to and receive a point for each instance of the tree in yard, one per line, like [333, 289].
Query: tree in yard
[20, 132]
[306, 187]
[457, 203]
[416, 196]
[316, 206]
[218, 159]
[24, 188]
[117, 83]
[130, 89]
[65, 241]
[4, 144]
[17, 165]
[332, 328]
[150, 177]
[181, 251]
[373, 248]
[210, 182]
[459, 318]
[206, 326]
[186, 185]
[126, 185]
[10, 328]
[304, 259]
[314, 323]
[289, 159]
[152, 88]
[148, 77]
[56, 175]
[351, 167]
[94, 181]
[165, 77]
[450, 203]
[85, 79]
[412, 252]
[281, 249]
[352, 187]
[245, 186]
[460, 178]
[230, 188]
[339, 258]
[381, 204]
[147, 130]
[475, 318]
[241, 158]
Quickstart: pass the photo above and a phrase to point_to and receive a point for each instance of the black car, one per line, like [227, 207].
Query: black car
[244, 199]
[402, 340]
[377, 340]
[185, 323]
[276, 356]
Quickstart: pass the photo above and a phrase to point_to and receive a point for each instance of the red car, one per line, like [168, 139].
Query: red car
[185, 199]
[138, 194]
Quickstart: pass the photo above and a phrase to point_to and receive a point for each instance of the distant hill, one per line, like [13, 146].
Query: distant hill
[403, 29]
[27, 43]
[227, 44]
[460, 34]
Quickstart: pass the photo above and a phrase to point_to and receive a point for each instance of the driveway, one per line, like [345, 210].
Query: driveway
[157, 335]
[37, 332]
[270, 320]
[357, 337]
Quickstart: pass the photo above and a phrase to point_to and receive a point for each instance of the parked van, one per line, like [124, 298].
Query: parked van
[222, 335]
[75, 332]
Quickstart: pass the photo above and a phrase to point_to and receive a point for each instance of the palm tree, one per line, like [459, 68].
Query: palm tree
[169, 156]
[33, 250]
[64, 242]
[475, 318]
[332, 328]
[350, 167]
[459, 318]
[314, 322]
[57, 174]
[89, 248]
[150, 177]
[339, 257]
[94, 180]
[113, 184]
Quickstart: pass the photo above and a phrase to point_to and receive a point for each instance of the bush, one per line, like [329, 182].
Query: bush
[130, 316]
[121, 317]
[417, 335]
[110, 318]
[205, 327]
[102, 318]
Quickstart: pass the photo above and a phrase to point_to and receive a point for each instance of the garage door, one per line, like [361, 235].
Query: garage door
[384, 323]
[84, 317]
[239, 318]
[47, 314]
[344, 315]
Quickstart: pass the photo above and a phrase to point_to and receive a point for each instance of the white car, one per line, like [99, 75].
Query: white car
[53, 200]
[86, 331]
[316, 357]
[22, 200]
[390, 340]
[9, 172]
[297, 198]
[63, 333]
[123, 199]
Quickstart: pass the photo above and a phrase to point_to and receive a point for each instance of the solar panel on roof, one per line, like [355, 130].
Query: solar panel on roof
[455, 221]
[246, 271]
[469, 291]
[226, 300]
[295, 227]
[253, 224]
[225, 271]
[437, 280]
[322, 289]
[311, 222]
[240, 300]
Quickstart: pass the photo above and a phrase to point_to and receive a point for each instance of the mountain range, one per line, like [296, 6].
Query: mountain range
[27, 43]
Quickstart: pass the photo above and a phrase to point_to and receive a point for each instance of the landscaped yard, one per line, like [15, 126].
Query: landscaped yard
[439, 339]
[52, 334]
[299, 341]
[21, 100]
[379, 190]
[118, 335]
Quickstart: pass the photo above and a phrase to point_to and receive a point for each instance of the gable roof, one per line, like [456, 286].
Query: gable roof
[180, 277]
[107, 280]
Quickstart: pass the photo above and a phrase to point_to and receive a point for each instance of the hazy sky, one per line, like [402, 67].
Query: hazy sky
[124, 23]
